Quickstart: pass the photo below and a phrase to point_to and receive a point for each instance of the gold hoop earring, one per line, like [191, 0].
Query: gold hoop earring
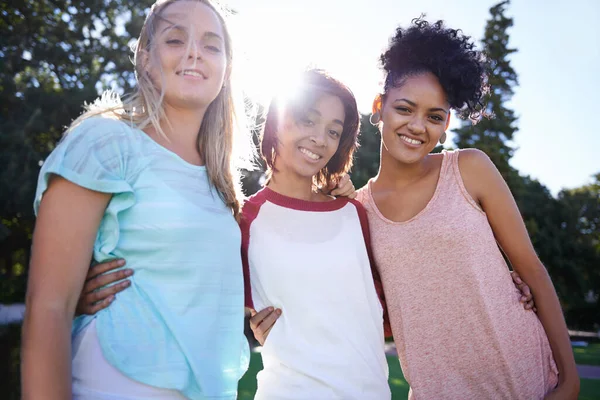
[375, 118]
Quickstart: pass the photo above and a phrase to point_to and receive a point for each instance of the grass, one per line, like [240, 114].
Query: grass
[590, 388]
[589, 355]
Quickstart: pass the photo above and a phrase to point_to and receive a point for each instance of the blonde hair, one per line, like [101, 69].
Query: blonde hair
[223, 140]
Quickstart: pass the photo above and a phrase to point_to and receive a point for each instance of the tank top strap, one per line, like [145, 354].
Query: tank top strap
[451, 182]
[447, 180]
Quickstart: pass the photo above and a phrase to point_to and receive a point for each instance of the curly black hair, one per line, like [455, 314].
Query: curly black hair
[448, 54]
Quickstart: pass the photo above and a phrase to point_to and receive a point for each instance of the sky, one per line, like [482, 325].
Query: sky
[558, 64]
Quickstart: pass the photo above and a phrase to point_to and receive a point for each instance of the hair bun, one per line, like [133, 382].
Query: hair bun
[447, 53]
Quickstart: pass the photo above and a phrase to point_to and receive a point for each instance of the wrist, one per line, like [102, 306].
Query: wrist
[570, 384]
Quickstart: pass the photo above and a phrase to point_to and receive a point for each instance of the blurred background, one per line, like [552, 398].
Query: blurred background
[56, 55]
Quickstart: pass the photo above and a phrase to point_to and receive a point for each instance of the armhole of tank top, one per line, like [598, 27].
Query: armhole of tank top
[459, 181]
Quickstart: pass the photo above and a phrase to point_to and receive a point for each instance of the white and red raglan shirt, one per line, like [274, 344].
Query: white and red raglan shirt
[313, 261]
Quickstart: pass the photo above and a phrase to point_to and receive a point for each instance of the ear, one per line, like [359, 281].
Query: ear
[143, 60]
[377, 104]
[447, 122]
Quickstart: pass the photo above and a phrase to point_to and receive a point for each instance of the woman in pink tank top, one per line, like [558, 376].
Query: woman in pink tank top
[437, 222]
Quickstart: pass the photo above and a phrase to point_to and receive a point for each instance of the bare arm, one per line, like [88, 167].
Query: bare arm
[68, 219]
[486, 185]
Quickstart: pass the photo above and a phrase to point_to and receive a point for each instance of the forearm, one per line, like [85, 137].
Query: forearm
[551, 317]
[66, 227]
[46, 354]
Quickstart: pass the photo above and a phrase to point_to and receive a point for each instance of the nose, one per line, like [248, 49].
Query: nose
[416, 125]
[195, 51]
[318, 137]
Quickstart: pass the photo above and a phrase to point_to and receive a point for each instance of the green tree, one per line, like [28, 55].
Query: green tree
[560, 229]
[580, 235]
[54, 56]
[366, 160]
[493, 134]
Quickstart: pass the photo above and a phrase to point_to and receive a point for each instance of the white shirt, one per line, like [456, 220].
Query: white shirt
[311, 260]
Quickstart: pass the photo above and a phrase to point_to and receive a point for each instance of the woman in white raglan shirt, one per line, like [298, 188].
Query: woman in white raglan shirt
[307, 254]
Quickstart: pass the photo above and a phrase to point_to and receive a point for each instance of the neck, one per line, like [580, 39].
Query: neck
[185, 124]
[396, 174]
[293, 186]
[182, 131]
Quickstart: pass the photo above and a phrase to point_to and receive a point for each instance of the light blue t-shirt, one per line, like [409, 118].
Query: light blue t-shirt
[180, 324]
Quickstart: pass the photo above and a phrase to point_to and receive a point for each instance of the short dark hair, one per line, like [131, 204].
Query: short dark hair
[313, 84]
[448, 54]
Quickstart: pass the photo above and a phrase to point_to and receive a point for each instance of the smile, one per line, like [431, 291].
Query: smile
[411, 141]
[190, 72]
[310, 154]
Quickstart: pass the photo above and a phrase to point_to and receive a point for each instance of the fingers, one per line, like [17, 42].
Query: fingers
[96, 295]
[262, 322]
[103, 294]
[345, 188]
[102, 280]
[93, 308]
[104, 267]
[267, 323]
[530, 305]
[526, 293]
[257, 317]
[91, 303]
[344, 180]
[516, 278]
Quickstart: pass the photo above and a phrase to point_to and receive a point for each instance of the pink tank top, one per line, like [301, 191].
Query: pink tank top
[458, 325]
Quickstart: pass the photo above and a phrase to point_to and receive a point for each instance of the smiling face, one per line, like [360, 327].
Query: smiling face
[307, 142]
[414, 116]
[188, 57]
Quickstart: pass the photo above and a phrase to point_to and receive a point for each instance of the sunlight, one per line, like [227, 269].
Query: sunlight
[271, 56]
[269, 72]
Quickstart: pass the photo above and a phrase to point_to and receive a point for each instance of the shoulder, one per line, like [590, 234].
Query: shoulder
[102, 133]
[363, 195]
[361, 212]
[356, 203]
[473, 161]
[478, 172]
[251, 207]
[105, 137]
[99, 126]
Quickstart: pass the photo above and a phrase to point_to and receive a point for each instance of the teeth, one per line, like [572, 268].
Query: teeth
[193, 73]
[409, 140]
[310, 153]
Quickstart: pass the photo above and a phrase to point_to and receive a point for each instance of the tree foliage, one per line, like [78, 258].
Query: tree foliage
[54, 56]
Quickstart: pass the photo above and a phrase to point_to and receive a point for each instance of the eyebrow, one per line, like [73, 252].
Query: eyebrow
[208, 34]
[412, 103]
[335, 121]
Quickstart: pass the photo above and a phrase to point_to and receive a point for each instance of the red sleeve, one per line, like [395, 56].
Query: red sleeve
[364, 223]
[249, 213]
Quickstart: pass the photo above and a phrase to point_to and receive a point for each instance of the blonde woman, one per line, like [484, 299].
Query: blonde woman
[151, 180]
